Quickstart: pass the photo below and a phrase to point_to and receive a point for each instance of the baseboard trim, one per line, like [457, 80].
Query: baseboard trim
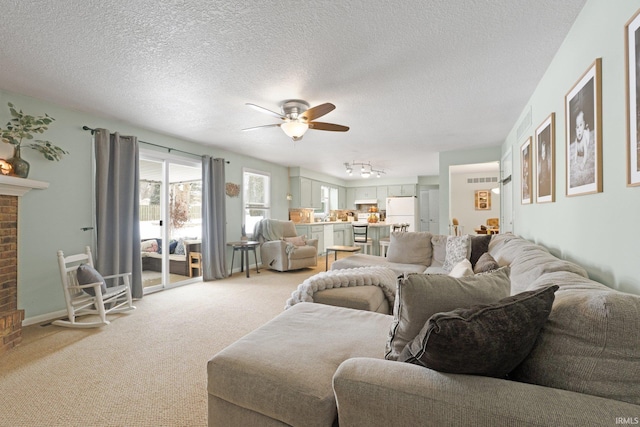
[44, 318]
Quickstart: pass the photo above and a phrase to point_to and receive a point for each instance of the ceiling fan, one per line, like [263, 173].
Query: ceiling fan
[298, 118]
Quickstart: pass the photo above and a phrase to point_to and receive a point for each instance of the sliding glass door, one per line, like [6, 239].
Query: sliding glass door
[170, 221]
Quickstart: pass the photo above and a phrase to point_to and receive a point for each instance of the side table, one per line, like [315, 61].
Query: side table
[336, 249]
[244, 247]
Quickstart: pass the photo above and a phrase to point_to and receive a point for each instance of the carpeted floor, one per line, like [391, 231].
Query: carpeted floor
[148, 367]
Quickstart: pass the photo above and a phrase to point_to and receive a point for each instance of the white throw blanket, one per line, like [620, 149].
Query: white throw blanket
[383, 277]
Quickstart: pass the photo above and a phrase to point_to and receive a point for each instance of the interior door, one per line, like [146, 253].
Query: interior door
[429, 211]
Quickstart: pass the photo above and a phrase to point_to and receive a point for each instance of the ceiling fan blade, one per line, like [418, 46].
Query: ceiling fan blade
[328, 126]
[263, 126]
[264, 110]
[317, 111]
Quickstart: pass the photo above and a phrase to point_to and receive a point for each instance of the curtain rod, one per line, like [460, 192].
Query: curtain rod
[169, 149]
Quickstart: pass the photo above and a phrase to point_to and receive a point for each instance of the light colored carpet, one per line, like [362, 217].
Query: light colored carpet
[148, 367]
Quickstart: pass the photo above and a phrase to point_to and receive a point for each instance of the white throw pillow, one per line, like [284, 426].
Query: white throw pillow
[458, 248]
[462, 269]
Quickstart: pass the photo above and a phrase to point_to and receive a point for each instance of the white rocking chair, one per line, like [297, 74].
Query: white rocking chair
[116, 298]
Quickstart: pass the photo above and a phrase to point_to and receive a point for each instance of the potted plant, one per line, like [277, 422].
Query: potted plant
[23, 127]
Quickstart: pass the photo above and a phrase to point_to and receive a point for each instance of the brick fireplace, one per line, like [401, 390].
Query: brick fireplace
[11, 317]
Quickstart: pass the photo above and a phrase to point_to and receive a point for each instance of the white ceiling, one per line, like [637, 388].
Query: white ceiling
[410, 78]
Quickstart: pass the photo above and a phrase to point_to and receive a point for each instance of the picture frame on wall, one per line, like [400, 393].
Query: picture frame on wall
[632, 59]
[545, 162]
[526, 180]
[483, 200]
[583, 125]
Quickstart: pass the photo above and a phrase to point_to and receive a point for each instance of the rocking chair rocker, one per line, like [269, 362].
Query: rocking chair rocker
[91, 298]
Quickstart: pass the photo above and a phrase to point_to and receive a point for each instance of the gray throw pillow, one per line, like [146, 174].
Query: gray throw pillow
[479, 246]
[410, 248]
[490, 340]
[86, 275]
[485, 263]
[420, 296]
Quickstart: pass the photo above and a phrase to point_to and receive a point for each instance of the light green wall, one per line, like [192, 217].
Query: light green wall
[51, 219]
[598, 231]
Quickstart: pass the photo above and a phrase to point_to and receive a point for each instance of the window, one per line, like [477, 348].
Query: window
[256, 201]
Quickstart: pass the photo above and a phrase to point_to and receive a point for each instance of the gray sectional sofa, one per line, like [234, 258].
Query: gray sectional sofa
[317, 365]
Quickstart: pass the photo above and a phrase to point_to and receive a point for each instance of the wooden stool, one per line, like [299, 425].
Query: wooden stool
[195, 261]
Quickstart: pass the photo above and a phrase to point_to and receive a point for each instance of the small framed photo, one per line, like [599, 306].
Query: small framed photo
[483, 200]
[527, 173]
[583, 123]
[632, 49]
[545, 160]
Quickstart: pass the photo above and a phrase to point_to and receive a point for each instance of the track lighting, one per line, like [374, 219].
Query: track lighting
[365, 169]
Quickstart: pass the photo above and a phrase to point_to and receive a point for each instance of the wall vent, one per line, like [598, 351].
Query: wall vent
[480, 180]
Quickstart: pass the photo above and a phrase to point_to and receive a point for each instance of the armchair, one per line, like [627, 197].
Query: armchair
[281, 248]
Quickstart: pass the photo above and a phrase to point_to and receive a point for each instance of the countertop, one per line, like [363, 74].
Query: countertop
[371, 224]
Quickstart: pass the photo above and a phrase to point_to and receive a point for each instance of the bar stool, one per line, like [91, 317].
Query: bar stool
[360, 238]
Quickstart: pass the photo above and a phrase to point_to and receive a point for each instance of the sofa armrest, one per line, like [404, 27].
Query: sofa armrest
[381, 392]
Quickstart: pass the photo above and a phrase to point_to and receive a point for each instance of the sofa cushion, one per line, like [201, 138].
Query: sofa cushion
[485, 263]
[439, 248]
[420, 296]
[458, 248]
[87, 275]
[479, 246]
[590, 343]
[410, 248]
[462, 269]
[489, 339]
[283, 370]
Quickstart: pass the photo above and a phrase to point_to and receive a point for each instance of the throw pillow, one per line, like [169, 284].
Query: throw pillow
[486, 263]
[439, 245]
[479, 246]
[458, 248]
[172, 246]
[86, 275]
[462, 269]
[420, 296]
[296, 241]
[410, 248]
[149, 246]
[490, 340]
[180, 248]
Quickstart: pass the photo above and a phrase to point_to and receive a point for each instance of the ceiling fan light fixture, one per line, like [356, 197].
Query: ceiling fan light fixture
[294, 129]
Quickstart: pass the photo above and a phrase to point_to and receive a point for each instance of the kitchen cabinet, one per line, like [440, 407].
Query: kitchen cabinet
[342, 198]
[305, 193]
[351, 198]
[401, 190]
[341, 234]
[381, 195]
[316, 201]
[312, 232]
[366, 193]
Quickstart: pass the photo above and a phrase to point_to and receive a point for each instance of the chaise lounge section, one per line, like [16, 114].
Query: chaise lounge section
[317, 365]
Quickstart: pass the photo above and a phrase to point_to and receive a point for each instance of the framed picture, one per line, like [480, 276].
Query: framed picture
[583, 123]
[526, 178]
[546, 160]
[483, 200]
[632, 49]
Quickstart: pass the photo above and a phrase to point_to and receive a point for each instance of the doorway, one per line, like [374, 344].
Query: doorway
[170, 221]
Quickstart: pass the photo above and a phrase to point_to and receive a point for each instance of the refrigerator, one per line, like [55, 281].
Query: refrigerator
[402, 210]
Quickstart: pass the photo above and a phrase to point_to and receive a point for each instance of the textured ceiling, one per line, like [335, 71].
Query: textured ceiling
[410, 78]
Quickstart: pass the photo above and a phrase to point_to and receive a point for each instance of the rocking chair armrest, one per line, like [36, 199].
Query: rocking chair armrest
[96, 286]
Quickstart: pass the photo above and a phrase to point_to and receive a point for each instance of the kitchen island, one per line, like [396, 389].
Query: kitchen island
[341, 233]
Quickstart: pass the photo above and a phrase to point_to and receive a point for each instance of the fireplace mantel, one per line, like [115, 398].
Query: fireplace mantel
[12, 186]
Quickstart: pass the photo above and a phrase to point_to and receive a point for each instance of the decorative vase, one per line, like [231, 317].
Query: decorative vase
[19, 165]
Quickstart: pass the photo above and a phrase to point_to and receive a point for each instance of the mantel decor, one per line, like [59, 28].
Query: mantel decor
[23, 127]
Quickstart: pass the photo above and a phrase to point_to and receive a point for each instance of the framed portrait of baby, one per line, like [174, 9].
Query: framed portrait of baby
[632, 49]
[545, 160]
[583, 124]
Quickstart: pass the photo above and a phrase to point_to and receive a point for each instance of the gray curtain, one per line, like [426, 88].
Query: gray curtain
[214, 219]
[117, 207]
